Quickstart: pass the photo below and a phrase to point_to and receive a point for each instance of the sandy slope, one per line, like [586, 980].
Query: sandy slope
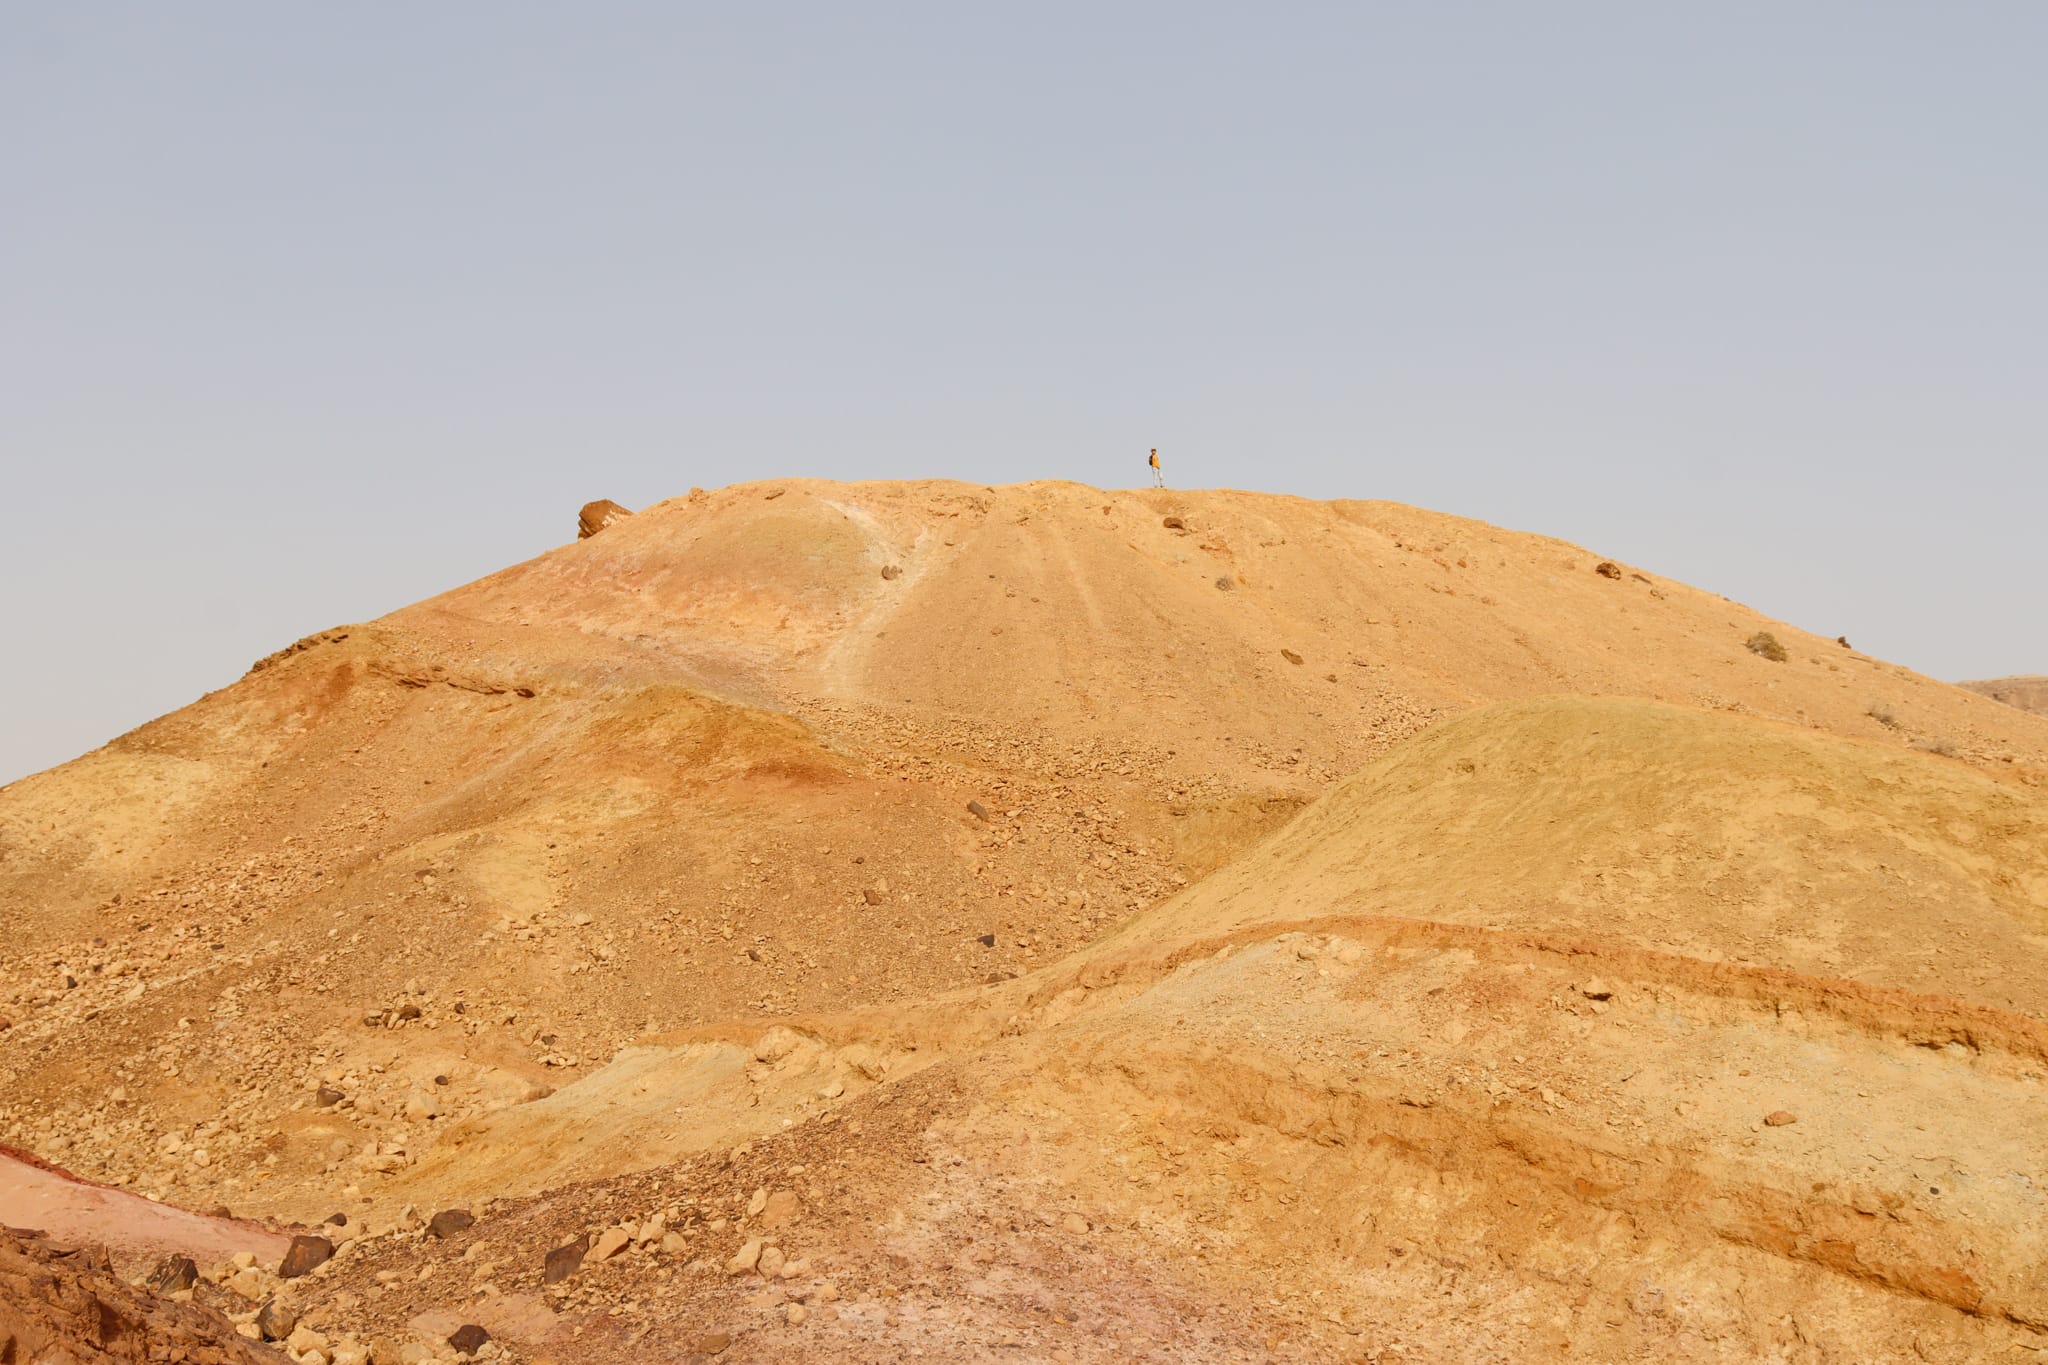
[133, 1230]
[386, 923]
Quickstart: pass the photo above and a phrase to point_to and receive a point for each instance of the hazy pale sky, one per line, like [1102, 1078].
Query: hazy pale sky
[307, 312]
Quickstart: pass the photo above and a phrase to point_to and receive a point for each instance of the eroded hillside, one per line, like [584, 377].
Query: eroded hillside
[1399, 1070]
[969, 788]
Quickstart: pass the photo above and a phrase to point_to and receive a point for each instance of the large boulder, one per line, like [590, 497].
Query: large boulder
[595, 516]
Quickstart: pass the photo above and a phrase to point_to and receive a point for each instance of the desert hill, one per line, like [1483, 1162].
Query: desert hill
[1416, 1059]
[889, 763]
[2027, 693]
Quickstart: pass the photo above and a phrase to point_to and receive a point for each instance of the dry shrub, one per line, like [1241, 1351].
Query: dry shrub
[1766, 644]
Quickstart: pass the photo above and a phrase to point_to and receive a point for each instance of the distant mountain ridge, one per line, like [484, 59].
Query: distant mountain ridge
[2029, 692]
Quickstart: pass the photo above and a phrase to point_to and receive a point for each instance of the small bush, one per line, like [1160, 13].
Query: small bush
[1882, 713]
[1944, 747]
[1766, 644]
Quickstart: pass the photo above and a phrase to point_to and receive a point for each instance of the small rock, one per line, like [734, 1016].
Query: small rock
[304, 1339]
[746, 1258]
[611, 1242]
[977, 810]
[248, 1283]
[987, 940]
[1780, 1117]
[891, 571]
[770, 1263]
[870, 895]
[713, 1343]
[1075, 1224]
[1173, 524]
[1607, 568]
[174, 1273]
[795, 1314]
[276, 1318]
[467, 1338]
[674, 1243]
[781, 1209]
[1596, 989]
[326, 1097]
[758, 1202]
[408, 1011]
[1291, 657]
[448, 1222]
[776, 1044]
[303, 1255]
[565, 1261]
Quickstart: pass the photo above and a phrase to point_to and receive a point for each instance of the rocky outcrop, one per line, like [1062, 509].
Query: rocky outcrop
[2028, 693]
[58, 1305]
[595, 516]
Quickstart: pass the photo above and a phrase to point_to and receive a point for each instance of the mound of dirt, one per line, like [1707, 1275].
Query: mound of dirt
[1679, 832]
[2027, 693]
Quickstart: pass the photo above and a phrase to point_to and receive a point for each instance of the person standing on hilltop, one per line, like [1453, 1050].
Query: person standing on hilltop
[1158, 477]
